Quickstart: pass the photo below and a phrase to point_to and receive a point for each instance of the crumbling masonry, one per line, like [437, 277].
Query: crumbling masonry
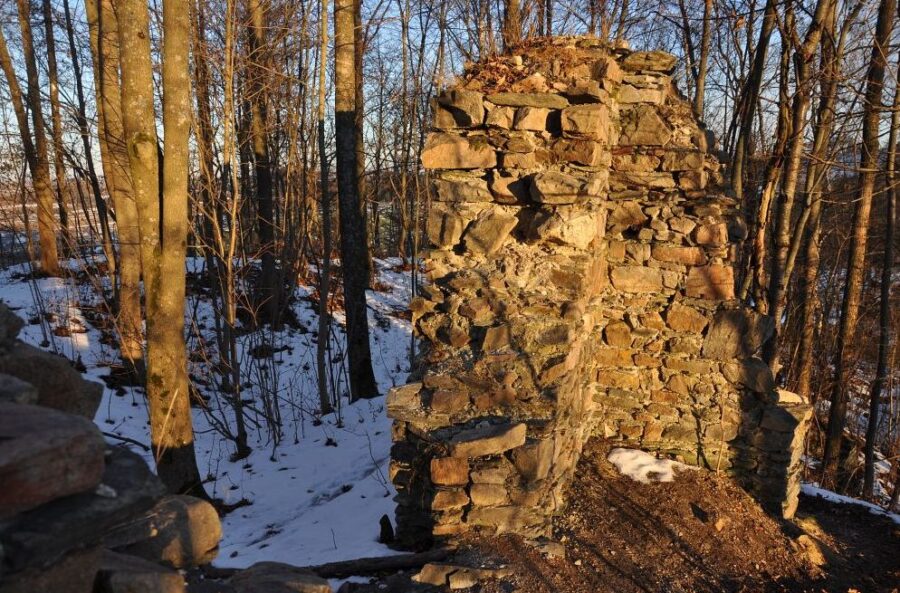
[580, 284]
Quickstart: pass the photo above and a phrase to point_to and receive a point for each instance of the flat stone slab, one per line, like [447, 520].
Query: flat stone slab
[121, 573]
[42, 535]
[487, 440]
[45, 455]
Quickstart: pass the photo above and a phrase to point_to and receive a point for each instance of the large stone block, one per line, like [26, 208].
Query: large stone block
[489, 231]
[590, 121]
[449, 151]
[180, 531]
[545, 100]
[487, 439]
[552, 187]
[636, 279]
[713, 282]
[737, 333]
[121, 573]
[458, 108]
[45, 455]
[643, 126]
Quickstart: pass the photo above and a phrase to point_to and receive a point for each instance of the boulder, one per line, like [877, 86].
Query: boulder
[444, 227]
[10, 325]
[180, 531]
[448, 151]
[536, 119]
[277, 577]
[73, 573]
[487, 439]
[45, 455]
[16, 391]
[120, 573]
[59, 386]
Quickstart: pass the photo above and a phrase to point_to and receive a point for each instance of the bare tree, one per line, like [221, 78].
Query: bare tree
[837, 417]
[353, 230]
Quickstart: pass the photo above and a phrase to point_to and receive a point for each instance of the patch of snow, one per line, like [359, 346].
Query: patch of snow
[314, 487]
[643, 467]
[815, 490]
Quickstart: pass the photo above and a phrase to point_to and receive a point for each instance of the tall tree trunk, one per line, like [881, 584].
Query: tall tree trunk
[884, 316]
[163, 234]
[869, 152]
[40, 173]
[270, 284]
[104, 36]
[353, 231]
[56, 125]
[359, 45]
[324, 339]
[84, 131]
[512, 24]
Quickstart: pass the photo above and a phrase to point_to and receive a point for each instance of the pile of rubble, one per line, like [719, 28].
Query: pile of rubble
[581, 283]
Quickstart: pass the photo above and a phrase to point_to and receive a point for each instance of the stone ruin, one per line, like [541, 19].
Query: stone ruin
[580, 284]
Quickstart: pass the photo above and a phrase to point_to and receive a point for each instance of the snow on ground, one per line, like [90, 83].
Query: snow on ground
[814, 490]
[317, 487]
[644, 467]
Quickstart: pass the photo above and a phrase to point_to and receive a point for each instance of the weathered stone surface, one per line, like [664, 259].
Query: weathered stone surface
[489, 231]
[120, 573]
[583, 152]
[488, 495]
[591, 121]
[630, 94]
[450, 471]
[533, 460]
[653, 61]
[712, 234]
[15, 391]
[625, 216]
[444, 227]
[459, 108]
[577, 229]
[462, 189]
[736, 333]
[507, 518]
[682, 160]
[447, 151]
[509, 189]
[751, 373]
[545, 100]
[73, 573]
[636, 279]
[487, 440]
[448, 500]
[501, 117]
[10, 325]
[59, 385]
[277, 577]
[643, 126]
[552, 187]
[682, 318]
[42, 536]
[714, 282]
[45, 455]
[535, 119]
[180, 531]
[679, 254]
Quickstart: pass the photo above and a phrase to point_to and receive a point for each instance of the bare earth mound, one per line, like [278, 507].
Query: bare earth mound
[700, 533]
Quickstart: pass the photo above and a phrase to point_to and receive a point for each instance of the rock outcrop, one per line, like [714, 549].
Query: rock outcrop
[580, 283]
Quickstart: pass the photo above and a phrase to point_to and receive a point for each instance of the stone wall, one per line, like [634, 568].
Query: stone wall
[580, 284]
